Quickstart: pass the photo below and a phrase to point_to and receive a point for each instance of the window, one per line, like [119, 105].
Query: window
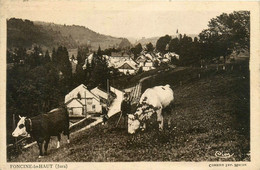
[70, 111]
[89, 101]
[79, 96]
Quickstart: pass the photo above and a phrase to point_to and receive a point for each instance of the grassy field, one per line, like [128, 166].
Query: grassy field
[211, 114]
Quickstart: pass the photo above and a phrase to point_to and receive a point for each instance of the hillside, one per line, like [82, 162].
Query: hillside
[25, 33]
[82, 35]
[211, 114]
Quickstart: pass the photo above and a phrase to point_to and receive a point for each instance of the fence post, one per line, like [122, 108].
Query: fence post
[15, 140]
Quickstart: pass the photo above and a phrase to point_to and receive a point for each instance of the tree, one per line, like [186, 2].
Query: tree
[227, 33]
[47, 57]
[140, 70]
[82, 54]
[36, 58]
[186, 51]
[100, 73]
[64, 64]
[137, 50]
[99, 52]
[53, 57]
[149, 47]
[162, 43]
[174, 45]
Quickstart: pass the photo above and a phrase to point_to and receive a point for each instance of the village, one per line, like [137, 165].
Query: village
[81, 101]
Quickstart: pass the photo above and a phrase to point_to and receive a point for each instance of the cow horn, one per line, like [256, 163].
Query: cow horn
[20, 117]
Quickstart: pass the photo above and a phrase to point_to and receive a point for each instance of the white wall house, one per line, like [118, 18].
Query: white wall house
[88, 60]
[81, 101]
[75, 107]
[148, 65]
[127, 68]
[100, 93]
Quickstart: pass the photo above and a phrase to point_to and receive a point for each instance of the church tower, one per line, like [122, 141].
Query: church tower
[177, 34]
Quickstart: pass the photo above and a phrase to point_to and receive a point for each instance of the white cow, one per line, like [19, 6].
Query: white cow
[153, 100]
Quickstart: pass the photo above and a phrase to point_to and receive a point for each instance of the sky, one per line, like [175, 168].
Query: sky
[119, 19]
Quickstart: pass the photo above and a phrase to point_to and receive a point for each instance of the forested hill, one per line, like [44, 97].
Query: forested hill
[25, 33]
[82, 35]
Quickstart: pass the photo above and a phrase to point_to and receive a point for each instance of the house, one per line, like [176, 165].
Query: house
[74, 63]
[149, 56]
[141, 60]
[148, 65]
[81, 101]
[120, 54]
[100, 93]
[75, 107]
[88, 61]
[146, 61]
[73, 53]
[127, 68]
[170, 55]
[118, 59]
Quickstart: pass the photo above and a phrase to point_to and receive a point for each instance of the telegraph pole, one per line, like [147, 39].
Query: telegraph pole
[85, 109]
[15, 140]
[107, 92]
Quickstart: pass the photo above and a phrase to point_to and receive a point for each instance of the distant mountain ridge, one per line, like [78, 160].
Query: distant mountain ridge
[25, 33]
[153, 40]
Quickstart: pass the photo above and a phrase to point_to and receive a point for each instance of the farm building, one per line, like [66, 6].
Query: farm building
[100, 93]
[80, 101]
[127, 68]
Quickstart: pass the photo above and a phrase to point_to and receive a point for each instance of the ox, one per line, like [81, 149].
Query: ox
[153, 100]
[43, 126]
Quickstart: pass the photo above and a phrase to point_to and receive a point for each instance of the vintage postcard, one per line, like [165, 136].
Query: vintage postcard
[129, 85]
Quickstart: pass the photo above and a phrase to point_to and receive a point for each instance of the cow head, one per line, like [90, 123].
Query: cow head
[21, 129]
[133, 124]
[143, 113]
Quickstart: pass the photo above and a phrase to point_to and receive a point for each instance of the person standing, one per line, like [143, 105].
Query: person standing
[125, 108]
[104, 113]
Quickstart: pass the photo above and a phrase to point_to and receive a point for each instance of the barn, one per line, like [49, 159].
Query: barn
[80, 101]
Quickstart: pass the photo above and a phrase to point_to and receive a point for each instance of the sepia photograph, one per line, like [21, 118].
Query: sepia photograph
[128, 82]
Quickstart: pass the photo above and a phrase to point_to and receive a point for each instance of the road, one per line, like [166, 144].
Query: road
[116, 105]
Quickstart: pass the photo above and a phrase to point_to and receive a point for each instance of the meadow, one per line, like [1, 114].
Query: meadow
[210, 118]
